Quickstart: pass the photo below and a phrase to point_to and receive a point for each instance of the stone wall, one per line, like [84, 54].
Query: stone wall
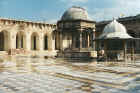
[27, 35]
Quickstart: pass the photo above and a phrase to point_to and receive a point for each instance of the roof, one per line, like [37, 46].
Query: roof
[114, 30]
[26, 21]
[75, 13]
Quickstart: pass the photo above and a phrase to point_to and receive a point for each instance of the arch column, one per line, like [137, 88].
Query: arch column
[81, 40]
[53, 44]
[28, 41]
[53, 40]
[88, 40]
[50, 43]
[10, 43]
[19, 41]
[7, 41]
[91, 40]
[94, 43]
[41, 43]
[61, 41]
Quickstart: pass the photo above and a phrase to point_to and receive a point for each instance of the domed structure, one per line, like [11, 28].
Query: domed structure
[114, 30]
[75, 13]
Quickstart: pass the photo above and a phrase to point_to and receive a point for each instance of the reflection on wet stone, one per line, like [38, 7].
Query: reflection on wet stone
[39, 75]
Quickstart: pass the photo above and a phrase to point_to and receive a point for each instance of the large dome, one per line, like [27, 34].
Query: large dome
[114, 30]
[75, 13]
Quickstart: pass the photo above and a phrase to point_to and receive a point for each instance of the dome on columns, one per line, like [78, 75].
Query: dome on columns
[114, 30]
[75, 13]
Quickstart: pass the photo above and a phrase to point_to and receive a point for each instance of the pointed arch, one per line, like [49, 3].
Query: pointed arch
[1, 41]
[45, 42]
[34, 41]
[4, 40]
[20, 40]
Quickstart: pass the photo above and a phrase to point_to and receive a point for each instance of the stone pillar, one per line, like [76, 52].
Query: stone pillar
[7, 41]
[28, 41]
[41, 43]
[80, 40]
[61, 41]
[11, 43]
[88, 40]
[24, 41]
[91, 40]
[94, 43]
[50, 43]
[19, 41]
[53, 42]
[124, 51]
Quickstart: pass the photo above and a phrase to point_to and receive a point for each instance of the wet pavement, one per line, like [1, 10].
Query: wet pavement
[39, 75]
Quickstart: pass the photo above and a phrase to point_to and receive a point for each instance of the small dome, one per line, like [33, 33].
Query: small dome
[114, 30]
[75, 13]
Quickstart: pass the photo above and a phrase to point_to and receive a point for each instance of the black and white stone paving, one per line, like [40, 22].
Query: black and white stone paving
[38, 75]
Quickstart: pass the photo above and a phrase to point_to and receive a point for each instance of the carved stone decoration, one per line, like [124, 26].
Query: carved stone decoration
[21, 27]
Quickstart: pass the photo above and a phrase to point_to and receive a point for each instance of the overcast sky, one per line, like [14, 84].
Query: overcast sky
[52, 10]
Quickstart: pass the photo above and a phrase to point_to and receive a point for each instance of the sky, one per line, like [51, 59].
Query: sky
[50, 11]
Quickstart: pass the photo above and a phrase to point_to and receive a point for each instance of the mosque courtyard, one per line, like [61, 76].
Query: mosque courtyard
[39, 75]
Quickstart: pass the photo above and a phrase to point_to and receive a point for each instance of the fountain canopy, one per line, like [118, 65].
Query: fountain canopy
[115, 30]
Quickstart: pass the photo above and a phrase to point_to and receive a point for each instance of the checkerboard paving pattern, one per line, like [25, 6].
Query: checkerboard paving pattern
[58, 76]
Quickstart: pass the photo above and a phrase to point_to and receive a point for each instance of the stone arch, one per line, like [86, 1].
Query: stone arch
[20, 40]
[54, 38]
[35, 41]
[4, 40]
[46, 42]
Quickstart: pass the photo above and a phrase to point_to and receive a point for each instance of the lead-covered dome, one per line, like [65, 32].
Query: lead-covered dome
[75, 13]
[114, 30]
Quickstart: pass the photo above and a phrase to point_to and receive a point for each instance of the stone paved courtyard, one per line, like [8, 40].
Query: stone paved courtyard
[38, 75]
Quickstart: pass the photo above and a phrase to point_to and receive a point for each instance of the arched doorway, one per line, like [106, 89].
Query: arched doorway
[1, 41]
[34, 41]
[4, 41]
[20, 40]
[45, 42]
